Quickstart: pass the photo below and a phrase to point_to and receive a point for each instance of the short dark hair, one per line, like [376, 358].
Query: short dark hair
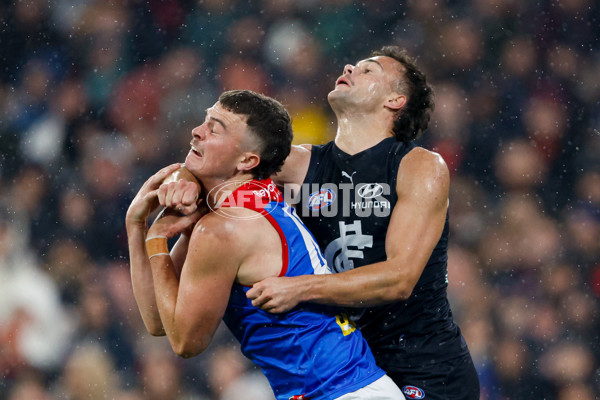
[269, 121]
[413, 118]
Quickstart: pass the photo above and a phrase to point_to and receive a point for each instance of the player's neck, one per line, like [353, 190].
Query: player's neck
[218, 189]
[356, 133]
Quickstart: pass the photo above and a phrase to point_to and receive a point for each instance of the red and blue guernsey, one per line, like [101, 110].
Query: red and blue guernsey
[309, 352]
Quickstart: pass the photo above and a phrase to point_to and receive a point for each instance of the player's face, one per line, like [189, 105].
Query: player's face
[217, 144]
[369, 83]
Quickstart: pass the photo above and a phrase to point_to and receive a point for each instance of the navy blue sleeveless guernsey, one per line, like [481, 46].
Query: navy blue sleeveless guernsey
[346, 202]
[308, 352]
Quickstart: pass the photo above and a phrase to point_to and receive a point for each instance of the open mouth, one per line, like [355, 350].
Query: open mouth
[195, 151]
[342, 81]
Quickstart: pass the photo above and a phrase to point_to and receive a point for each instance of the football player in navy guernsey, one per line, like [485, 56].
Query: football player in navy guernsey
[250, 234]
[377, 205]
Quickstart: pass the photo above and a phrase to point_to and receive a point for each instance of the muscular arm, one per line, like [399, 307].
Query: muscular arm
[142, 205]
[415, 227]
[141, 278]
[143, 288]
[141, 275]
[191, 307]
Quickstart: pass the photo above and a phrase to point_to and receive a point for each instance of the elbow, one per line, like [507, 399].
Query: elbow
[402, 283]
[189, 341]
[155, 329]
[157, 332]
[187, 352]
[401, 291]
[184, 353]
[188, 349]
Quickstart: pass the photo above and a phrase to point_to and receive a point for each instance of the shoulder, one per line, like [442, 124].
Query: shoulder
[229, 235]
[300, 154]
[295, 167]
[227, 222]
[303, 147]
[231, 225]
[418, 157]
[424, 169]
[300, 151]
[240, 239]
[218, 229]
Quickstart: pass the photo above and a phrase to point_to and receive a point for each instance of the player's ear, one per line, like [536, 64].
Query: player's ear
[248, 160]
[395, 101]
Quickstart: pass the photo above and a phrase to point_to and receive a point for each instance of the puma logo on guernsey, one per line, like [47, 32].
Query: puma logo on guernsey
[345, 174]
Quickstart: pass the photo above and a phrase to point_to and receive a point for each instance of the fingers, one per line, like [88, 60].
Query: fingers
[265, 302]
[256, 295]
[184, 193]
[190, 195]
[151, 195]
[162, 192]
[254, 292]
[145, 200]
[170, 223]
[181, 195]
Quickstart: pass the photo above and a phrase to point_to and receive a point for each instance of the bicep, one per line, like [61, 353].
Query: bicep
[205, 285]
[415, 226]
[419, 215]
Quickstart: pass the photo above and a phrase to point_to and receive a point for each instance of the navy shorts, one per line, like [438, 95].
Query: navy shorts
[454, 379]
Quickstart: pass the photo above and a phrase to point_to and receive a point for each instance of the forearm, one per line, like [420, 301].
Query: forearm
[166, 283]
[141, 278]
[366, 286]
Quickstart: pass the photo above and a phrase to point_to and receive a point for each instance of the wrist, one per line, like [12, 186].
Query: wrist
[157, 246]
[135, 223]
[304, 288]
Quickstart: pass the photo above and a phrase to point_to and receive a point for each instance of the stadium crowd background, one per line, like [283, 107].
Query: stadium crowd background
[95, 96]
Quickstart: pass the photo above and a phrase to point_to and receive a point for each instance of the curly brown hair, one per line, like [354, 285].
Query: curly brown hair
[412, 119]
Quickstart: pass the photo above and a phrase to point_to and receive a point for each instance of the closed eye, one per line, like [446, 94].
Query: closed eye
[213, 127]
[366, 65]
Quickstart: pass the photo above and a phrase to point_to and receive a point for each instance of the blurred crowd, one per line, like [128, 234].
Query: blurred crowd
[96, 95]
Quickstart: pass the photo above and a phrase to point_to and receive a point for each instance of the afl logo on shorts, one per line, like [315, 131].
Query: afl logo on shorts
[413, 392]
[320, 199]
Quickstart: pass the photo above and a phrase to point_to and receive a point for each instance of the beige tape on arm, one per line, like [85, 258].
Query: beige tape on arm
[157, 246]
